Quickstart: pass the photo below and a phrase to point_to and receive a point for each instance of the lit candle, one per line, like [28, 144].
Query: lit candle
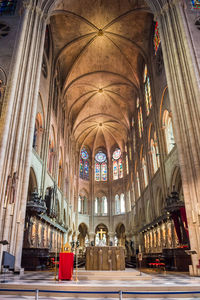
[139, 248]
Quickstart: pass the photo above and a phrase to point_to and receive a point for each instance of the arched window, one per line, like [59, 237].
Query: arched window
[144, 168]
[127, 168]
[51, 154]
[60, 171]
[55, 97]
[128, 200]
[101, 206]
[195, 4]
[155, 154]
[117, 204]
[104, 171]
[117, 164]
[169, 135]
[7, 7]
[147, 90]
[79, 204]
[156, 39]
[156, 150]
[47, 42]
[115, 170]
[140, 121]
[38, 133]
[122, 204]
[138, 184]
[96, 205]
[101, 166]
[84, 164]
[82, 204]
[154, 158]
[104, 205]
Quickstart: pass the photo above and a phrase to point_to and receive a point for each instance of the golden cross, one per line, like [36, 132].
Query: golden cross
[101, 232]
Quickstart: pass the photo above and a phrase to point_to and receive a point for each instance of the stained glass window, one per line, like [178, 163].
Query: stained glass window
[81, 168]
[101, 166]
[138, 102]
[147, 91]
[145, 73]
[138, 185]
[100, 157]
[97, 171]
[117, 164]
[132, 122]
[115, 170]
[84, 153]
[127, 169]
[140, 121]
[156, 39]
[120, 168]
[104, 171]
[195, 4]
[84, 164]
[117, 154]
[7, 7]
[86, 170]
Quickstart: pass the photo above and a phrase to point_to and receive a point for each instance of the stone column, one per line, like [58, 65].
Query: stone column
[23, 95]
[182, 78]
[92, 195]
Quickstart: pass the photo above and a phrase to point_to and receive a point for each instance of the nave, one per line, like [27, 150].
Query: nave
[99, 135]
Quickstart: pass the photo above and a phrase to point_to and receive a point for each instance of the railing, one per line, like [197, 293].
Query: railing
[119, 293]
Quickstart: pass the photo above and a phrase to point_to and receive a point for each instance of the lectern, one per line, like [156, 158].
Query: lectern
[66, 264]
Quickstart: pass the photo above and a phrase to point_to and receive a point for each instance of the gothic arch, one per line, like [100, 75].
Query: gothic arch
[164, 104]
[33, 182]
[120, 234]
[98, 225]
[65, 217]
[83, 229]
[158, 202]
[176, 180]
[148, 211]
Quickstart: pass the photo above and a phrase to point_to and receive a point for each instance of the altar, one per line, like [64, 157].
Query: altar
[105, 258]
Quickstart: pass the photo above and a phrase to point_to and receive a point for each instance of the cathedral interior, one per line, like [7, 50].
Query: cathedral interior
[99, 130]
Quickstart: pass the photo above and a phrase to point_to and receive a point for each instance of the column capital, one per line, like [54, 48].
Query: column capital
[38, 10]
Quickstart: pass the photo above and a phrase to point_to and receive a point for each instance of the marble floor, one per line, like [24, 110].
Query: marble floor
[157, 282]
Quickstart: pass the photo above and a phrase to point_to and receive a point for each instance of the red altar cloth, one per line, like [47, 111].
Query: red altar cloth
[66, 263]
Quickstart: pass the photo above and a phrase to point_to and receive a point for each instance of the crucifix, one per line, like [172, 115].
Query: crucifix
[101, 232]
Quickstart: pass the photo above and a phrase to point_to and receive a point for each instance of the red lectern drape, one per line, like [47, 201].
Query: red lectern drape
[66, 263]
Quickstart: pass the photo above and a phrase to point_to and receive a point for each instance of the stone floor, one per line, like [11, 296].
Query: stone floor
[64, 298]
[158, 282]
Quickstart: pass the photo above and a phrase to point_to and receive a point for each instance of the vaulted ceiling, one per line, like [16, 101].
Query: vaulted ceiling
[100, 47]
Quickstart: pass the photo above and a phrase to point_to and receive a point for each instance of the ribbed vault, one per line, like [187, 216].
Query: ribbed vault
[100, 47]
